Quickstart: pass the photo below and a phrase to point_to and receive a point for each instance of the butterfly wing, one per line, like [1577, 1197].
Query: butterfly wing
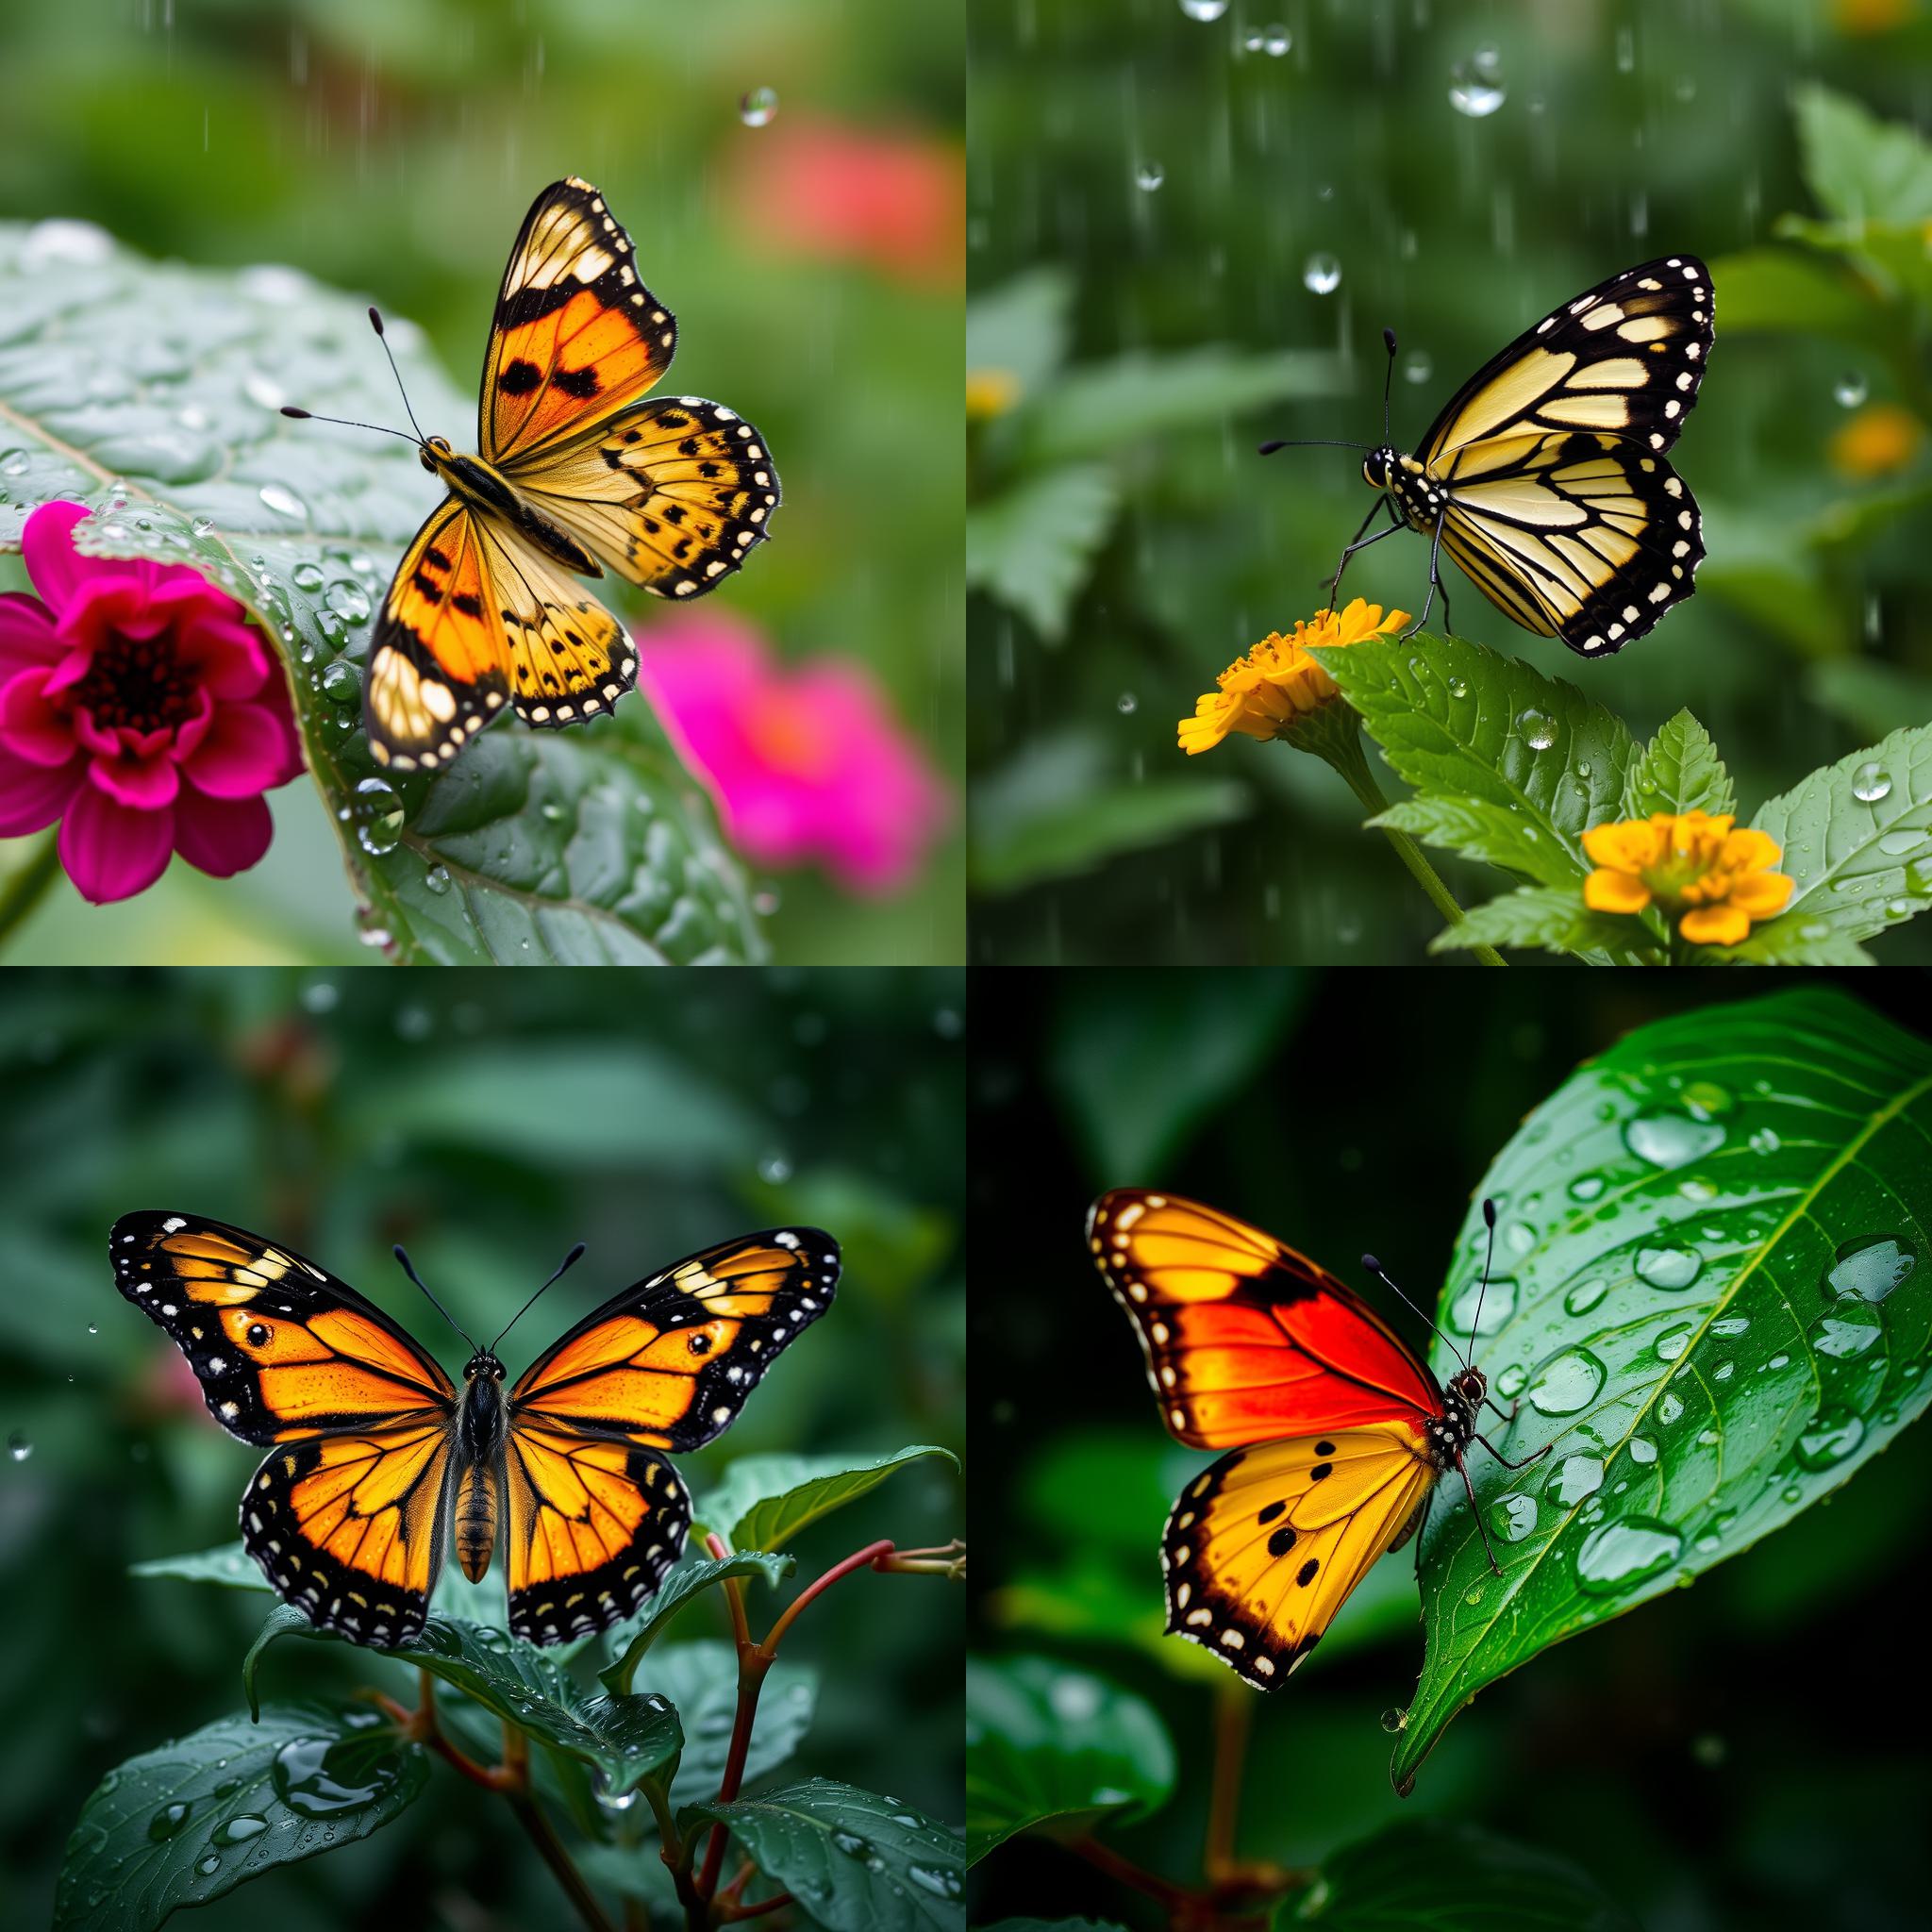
[1245, 1340]
[1264, 1548]
[596, 1515]
[437, 663]
[345, 1514]
[672, 495]
[576, 337]
[569, 658]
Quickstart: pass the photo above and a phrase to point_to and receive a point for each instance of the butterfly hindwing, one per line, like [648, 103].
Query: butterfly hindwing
[1264, 1547]
[436, 664]
[569, 658]
[668, 1362]
[1246, 1341]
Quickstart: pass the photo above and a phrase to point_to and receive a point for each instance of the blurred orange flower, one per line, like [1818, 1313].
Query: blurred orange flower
[1879, 441]
[1873, 16]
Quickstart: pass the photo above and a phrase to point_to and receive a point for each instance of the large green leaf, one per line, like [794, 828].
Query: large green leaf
[1554, 919]
[856, 1861]
[1678, 771]
[185, 1823]
[1863, 169]
[766, 1500]
[1857, 838]
[1056, 1748]
[1031, 546]
[1429, 1875]
[151, 392]
[1020, 328]
[230, 1565]
[1707, 1302]
[701, 1679]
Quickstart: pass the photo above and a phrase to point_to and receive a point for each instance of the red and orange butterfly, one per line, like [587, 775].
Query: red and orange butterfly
[378, 1459]
[1339, 1430]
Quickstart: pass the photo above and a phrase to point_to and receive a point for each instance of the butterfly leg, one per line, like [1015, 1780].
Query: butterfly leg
[1435, 581]
[1360, 542]
[1505, 1460]
[1476, 1509]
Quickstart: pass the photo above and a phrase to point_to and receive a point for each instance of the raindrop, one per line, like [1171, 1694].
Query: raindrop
[1149, 176]
[1585, 1296]
[93, 1327]
[1127, 704]
[1670, 1140]
[1765, 1141]
[203, 526]
[1538, 729]
[284, 502]
[1512, 1517]
[1498, 1303]
[437, 879]
[1851, 389]
[1459, 688]
[19, 1447]
[1619, 1556]
[1272, 40]
[208, 1865]
[1417, 366]
[940, 1882]
[1574, 1478]
[1669, 1410]
[238, 1829]
[1673, 1344]
[378, 820]
[1510, 1383]
[1204, 9]
[341, 683]
[307, 576]
[1643, 1449]
[312, 1780]
[1586, 1186]
[1870, 1269]
[775, 1168]
[1567, 1382]
[1870, 782]
[1322, 273]
[1394, 1720]
[1475, 85]
[1670, 1267]
[168, 1821]
[347, 598]
[758, 107]
[1731, 1324]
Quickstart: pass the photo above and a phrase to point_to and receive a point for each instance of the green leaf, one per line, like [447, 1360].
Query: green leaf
[1860, 863]
[158, 386]
[1102, 406]
[1020, 328]
[1709, 1306]
[1459, 721]
[1554, 919]
[629, 1640]
[622, 1739]
[1788, 291]
[1678, 771]
[1429, 1875]
[1790, 939]
[766, 1500]
[855, 1860]
[701, 1679]
[1874, 698]
[1031, 547]
[1055, 1925]
[230, 1565]
[1479, 829]
[1138, 1068]
[193, 1819]
[1859, 168]
[1049, 1746]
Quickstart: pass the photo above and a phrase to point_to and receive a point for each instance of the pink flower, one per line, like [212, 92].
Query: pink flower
[806, 763]
[138, 708]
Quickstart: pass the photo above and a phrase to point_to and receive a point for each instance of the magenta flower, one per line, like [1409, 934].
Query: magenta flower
[806, 762]
[138, 708]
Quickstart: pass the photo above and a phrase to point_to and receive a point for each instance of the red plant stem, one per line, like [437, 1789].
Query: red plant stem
[859, 1559]
[731, 1914]
[1175, 1897]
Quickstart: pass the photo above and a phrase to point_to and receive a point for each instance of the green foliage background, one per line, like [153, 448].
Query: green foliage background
[393, 150]
[487, 1128]
[1157, 334]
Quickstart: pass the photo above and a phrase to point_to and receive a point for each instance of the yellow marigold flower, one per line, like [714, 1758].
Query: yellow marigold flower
[1277, 681]
[989, 393]
[1880, 439]
[1689, 863]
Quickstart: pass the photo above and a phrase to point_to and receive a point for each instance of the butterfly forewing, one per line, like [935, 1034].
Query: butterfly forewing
[569, 657]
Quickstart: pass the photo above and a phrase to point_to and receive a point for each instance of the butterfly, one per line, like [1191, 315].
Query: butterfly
[577, 474]
[376, 1460]
[1338, 1429]
[1544, 476]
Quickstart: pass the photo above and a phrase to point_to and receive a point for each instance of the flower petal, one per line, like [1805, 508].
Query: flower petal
[30, 727]
[32, 796]
[110, 851]
[1615, 891]
[1750, 850]
[52, 561]
[1715, 926]
[140, 784]
[1762, 894]
[246, 750]
[26, 633]
[1626, 845]
[222, 836]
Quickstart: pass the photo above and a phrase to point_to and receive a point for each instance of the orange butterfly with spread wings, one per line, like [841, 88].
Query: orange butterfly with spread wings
[1339, 1430]
[378, 1459]
[578, 473]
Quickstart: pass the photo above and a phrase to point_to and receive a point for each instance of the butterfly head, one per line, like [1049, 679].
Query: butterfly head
[483, 1364]
[435, 451]
[1378, 467]
[1469, 1386]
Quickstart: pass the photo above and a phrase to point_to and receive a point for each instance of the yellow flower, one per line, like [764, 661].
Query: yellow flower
[989, 393]
[1277, 681]
[1880, 439]
[1688, 862]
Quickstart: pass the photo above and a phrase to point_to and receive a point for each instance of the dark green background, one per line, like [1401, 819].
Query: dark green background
[1737, 1754]
[488, 1123]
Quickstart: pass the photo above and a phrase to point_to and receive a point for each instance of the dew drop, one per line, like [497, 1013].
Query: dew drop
[378, 820]
[758, 107]
[1869, 1268]
[1510, 1383]
[284, 502]
[1617, 1556]
[437, 879]
[1672, 1268]
[1514, 1517]
[1322, 273]
[1567, 1382]
[1585, 1296]
[19, 1447]
[1586, 1186]
[1539, 730]
[168, 1821]
[1274, 40]
[1673, 1344]
[341, 683]
[1643, 1449]
[1765, 1141]
[238, 1829]
[1497, 1301]
[1204, 9]
[1851, 389]
[203, 526]
[1417, 366]
[1731, 1324]
[1149, 176]
[349, 599]
[1394, 1720]
[1672, 1140]
[1459, 688]
[1870, 782]
[1669, 1410]
[209, 1864]
[1127, 704]
[307, 576]
[1475, 85]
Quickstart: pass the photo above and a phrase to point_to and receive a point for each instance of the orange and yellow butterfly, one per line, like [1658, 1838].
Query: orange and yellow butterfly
[578, 473]
[1339, 1430]
[378, 1459]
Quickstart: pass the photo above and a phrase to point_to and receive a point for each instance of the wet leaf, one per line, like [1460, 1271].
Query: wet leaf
[856, 1862]
[1019, 329]
[1427, 1876]
[1554, 919]
[1707, 1301]
[230, 1565]
[1056, 1749]
[156, 388]
[766, 1500]
[1860, 168]
[630, 1639]
[1031, 547]
[701, 1679]
[1678, 771]
[189, 1822]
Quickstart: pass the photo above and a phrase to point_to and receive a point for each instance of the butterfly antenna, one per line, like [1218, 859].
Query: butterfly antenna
[1489, 1222]
[381, 336]
[569, 1260]
[1268, 449]
[1387, 380]
[1374, 1268]
[410, 1272]
[310, 416]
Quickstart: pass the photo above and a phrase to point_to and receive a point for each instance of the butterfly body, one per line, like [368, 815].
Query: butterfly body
[490, 493]
[378, 1462]
[1338, 1431]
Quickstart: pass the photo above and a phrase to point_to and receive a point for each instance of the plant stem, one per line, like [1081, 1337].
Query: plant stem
[1231, 1716]
[1362, 781]
[530, 1815]
[28, 886]
[860, 1560]
[1175, 1897]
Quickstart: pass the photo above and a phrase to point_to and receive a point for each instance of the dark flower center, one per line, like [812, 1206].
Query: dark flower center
[136, 682]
